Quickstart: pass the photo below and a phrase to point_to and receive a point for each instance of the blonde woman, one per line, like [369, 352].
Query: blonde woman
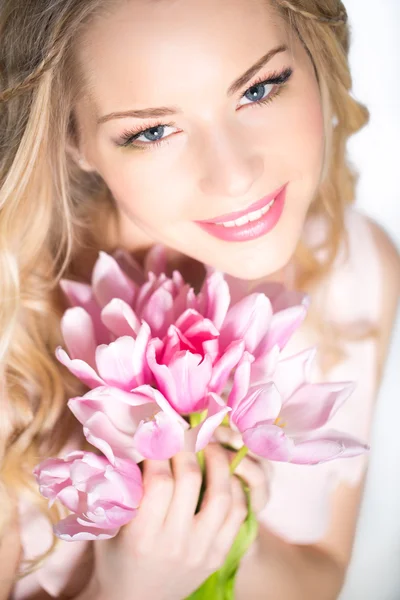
[129, 123]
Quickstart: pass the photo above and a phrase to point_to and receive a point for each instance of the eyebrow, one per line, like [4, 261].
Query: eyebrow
[163, 111]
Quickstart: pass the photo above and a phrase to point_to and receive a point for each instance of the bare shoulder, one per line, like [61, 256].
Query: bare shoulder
[389, 259]
[346, 499]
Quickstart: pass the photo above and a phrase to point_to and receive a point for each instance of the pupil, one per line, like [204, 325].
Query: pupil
[256, 92]
[154, 133]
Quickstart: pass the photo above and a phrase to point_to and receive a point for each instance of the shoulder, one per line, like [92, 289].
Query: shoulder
[389, 262]
[376, 262]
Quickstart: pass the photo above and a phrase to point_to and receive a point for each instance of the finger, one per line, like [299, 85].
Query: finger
[256, 474]
[217, 499]
[225, 538]
[188, 478]
[226, 435]
[158, 489]
[233, 439]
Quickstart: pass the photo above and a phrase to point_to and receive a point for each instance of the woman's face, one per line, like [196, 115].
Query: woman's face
[209, 147]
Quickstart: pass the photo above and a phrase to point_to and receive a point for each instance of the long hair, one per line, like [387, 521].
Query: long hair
[47, 204]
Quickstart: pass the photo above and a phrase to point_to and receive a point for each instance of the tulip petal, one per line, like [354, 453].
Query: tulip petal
[223, 367]
[241, 380]
[293, 372]
[158, 311]
[69, 496]
[129, 266]
[191, 375]
[313, 405]
[80, 369]
[184, 382]
[160, 438]
[78, 332]
[81, 294]
[282, 327]
[102, 435]
[125, 411]
[248, 320]
[269, 441]
[214, 298]
[156, 396]
[261, 404]
[109, 515]
[323, 446]
[140, 396]
[78, 294]
[119, 318]
[156, 259]
[109, 281]
[72, 530]
[116, 365]
[217, 409]
[264, 367]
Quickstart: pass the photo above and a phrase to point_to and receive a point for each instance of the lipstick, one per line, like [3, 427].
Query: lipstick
[251, 223]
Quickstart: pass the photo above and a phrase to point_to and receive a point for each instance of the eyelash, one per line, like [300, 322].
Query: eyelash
[278, 78]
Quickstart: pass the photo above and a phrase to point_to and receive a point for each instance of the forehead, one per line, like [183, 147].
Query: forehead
[144, 48]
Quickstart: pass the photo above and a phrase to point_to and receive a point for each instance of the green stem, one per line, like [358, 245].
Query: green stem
[238, 458]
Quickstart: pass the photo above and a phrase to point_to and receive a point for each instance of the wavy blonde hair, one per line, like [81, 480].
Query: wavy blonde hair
[47, 204]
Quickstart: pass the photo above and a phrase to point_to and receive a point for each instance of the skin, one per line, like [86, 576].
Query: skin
[220, 154]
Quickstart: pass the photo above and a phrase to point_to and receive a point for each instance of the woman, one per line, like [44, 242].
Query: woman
[128, 123]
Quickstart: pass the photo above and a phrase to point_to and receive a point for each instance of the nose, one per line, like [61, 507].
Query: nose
[229, 167]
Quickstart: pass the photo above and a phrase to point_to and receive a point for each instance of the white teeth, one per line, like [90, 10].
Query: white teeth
[253, 216]
[257, 214]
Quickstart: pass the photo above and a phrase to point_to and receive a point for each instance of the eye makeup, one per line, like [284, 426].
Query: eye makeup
[129, 138]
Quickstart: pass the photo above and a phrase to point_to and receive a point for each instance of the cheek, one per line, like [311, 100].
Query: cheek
[306, 136]
[143, 195]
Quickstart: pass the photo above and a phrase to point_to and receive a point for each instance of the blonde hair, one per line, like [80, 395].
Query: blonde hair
[47, 204]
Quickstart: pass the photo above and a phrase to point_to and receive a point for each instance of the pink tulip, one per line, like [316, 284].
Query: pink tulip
[214, 298]
[165, 435]
[111, 417]
[101, 496]
[182, 376]
[156, 299]
[142, 424]
[121, 363]
[283, 420]
[264, 333]
[195, 333]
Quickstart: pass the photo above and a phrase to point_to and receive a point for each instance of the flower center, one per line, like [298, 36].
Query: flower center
[279, 422]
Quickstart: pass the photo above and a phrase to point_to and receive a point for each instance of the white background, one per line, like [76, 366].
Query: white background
[375, 60]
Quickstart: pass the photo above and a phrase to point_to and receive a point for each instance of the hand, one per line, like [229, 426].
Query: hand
[255, 471]
[167, 551]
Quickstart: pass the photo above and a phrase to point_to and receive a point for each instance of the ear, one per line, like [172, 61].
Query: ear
[76, 155]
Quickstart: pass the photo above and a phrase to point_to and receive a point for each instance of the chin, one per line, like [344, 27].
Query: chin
[249, 269]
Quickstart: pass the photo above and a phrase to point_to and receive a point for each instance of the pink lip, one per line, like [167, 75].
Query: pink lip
[253, 229]
[241, 213]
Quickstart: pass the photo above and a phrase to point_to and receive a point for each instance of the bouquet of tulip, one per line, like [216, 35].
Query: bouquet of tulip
[165, 367]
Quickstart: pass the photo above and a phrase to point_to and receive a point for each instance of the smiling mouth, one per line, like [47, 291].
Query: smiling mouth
[251, 216]
[251, 223]
[254, 212]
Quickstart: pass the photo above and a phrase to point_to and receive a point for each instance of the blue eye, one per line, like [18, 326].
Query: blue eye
[257, 92]
[261, 92]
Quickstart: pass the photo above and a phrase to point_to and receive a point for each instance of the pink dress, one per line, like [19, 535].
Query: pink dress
[299, 507]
